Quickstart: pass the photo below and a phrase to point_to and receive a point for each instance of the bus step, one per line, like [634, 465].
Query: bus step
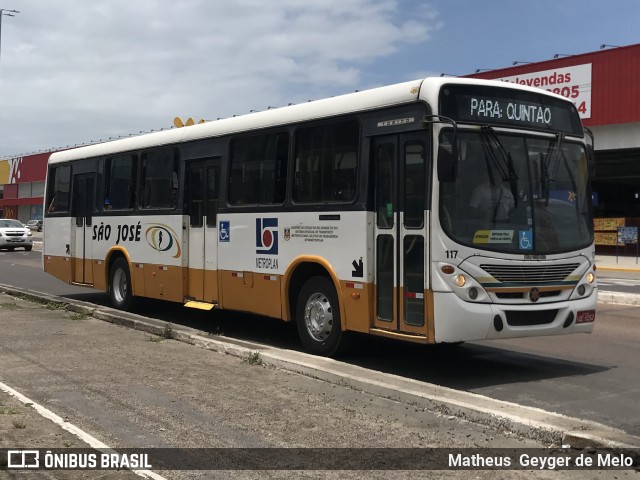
[200, 305]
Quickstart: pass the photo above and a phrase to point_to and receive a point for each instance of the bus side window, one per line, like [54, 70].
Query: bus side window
[58, 193]
[160, 178]
[326, 163]
[259, 169]
[415, 175]
[120, 182]
[385, 159]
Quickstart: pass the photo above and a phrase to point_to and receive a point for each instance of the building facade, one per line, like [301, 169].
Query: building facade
[22, 183]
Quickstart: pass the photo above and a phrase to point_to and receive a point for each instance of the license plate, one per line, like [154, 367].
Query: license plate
[586, 316]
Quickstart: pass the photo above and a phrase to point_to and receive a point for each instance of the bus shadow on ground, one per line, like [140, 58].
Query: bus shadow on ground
[467, 366]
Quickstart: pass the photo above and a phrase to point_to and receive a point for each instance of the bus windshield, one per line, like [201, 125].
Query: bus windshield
[517, 193]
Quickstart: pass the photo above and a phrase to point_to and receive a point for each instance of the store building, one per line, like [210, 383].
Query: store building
[22, 183]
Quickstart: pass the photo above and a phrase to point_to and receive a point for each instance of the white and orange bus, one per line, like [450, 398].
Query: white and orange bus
[437, 210]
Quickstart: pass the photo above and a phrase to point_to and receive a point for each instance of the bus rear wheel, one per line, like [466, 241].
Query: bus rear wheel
[120, 284]
[318, 317]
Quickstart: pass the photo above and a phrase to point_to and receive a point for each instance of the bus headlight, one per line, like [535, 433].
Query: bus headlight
[585, 287]
[462, 284]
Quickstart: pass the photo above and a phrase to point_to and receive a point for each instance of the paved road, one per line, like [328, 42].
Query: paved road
[125, 388]
[595, 377]
[626, 285]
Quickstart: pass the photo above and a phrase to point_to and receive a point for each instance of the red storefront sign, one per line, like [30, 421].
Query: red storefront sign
[605, 85]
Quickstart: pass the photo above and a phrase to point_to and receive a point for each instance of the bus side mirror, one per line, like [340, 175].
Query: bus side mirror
[591, 160]
[591, 153]
[447, 165]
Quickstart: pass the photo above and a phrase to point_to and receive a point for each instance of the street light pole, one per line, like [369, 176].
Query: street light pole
[8, 13]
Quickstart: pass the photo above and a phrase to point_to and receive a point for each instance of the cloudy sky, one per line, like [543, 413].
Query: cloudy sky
[77, 71]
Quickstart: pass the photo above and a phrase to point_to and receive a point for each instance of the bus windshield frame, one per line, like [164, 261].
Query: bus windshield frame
[517, 192]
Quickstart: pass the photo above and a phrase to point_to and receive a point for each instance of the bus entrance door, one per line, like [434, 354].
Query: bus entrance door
[401, 166]
[201, 199]
[82, 204]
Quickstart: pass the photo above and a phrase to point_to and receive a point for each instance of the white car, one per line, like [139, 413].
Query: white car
[14, 234]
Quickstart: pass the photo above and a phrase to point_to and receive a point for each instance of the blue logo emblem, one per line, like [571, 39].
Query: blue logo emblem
[224, 233]
[267, 236]
[525, 240]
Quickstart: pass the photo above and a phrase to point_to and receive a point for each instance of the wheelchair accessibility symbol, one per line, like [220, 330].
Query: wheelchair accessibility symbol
[223, 233]
[526, 240]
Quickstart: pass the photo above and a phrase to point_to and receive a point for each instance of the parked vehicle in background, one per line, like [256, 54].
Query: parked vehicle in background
[34, 225]
[14, 234]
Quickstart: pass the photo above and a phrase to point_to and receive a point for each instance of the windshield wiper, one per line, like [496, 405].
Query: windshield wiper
[546, 166]
[506, 169]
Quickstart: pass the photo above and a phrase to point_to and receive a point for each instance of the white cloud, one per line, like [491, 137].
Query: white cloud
[75, 71]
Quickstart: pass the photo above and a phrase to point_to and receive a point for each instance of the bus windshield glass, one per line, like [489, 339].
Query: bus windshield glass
[517, 193]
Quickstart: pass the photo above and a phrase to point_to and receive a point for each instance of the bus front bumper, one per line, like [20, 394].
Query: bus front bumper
[457, 320]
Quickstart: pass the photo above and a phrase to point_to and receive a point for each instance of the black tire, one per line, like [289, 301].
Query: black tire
[28, 249]
[120, 292]
[318, 317]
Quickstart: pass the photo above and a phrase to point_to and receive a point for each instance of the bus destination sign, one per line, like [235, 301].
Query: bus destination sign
[503, 106]
[496, 108]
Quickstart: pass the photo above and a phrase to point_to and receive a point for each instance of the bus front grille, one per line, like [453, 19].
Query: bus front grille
[529, 274]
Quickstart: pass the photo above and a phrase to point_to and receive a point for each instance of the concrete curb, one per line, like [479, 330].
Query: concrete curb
[534, 423]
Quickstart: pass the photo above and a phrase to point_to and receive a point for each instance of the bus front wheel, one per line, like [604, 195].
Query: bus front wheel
[318, 317]
[120, 284]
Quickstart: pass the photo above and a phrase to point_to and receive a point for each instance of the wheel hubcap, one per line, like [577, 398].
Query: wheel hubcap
[120, 287]
[318, 317]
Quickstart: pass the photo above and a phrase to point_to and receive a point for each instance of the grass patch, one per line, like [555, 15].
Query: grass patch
[21, 296]
[8, 411]
[254, 358]
[78, 316]
[19, 424]
[167, 332]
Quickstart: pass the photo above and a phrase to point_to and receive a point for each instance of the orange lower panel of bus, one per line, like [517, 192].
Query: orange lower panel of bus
[253, 292]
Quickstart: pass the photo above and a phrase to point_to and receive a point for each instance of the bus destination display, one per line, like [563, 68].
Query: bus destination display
[491, 105]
